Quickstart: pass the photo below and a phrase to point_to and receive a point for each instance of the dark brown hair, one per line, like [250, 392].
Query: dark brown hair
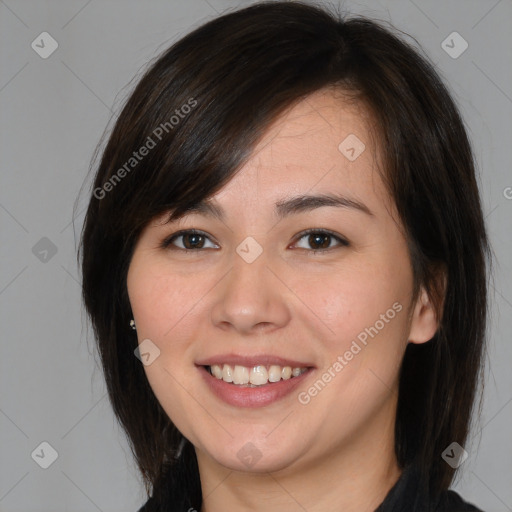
[237, 73]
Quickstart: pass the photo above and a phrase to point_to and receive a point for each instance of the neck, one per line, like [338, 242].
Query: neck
[353, 476]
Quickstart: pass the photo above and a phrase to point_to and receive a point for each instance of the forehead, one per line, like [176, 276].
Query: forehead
[325, 141]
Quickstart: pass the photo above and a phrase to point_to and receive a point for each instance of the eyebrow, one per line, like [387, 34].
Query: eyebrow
[306, 203]
[286, 207]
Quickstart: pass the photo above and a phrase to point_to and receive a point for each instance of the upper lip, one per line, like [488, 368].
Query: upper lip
[250, 361]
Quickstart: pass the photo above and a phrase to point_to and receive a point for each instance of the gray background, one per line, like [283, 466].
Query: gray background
[53, 112]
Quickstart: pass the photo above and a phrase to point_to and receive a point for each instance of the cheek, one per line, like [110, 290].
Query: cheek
[364, 306]
[366, 312]
[165, 307]
[350, 302]
[161, 302]
[160, 299]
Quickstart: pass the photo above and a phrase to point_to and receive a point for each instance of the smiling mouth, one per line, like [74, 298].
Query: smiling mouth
[255, 376]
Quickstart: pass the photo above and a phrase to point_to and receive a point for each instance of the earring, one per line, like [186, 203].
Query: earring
[132, 324]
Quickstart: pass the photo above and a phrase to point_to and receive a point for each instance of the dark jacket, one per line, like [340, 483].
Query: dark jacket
[405, 496]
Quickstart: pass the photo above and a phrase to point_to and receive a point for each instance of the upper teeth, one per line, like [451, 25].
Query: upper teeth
[257, 375]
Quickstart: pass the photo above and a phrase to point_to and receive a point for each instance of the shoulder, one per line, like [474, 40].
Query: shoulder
[450, 501]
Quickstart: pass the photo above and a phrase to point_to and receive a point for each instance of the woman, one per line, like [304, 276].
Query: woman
[284, 261]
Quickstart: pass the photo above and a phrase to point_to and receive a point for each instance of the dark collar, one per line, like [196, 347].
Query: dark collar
[410, 495]
[406, 495]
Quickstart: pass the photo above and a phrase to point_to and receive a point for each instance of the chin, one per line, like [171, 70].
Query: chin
[258, 456]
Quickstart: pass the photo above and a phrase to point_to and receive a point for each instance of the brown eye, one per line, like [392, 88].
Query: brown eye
[193, 241]
[321, 240]
[188, 240]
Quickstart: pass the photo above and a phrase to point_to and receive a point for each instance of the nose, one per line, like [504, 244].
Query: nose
[250, 299]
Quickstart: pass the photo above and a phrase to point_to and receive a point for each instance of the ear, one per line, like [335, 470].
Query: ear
[424, 322]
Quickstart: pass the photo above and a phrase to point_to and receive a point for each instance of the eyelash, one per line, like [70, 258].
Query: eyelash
[168, 242]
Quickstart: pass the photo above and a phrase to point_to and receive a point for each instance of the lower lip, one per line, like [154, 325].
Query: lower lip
[251, 397]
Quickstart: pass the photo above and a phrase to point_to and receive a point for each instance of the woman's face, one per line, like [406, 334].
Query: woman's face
[258, 297]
